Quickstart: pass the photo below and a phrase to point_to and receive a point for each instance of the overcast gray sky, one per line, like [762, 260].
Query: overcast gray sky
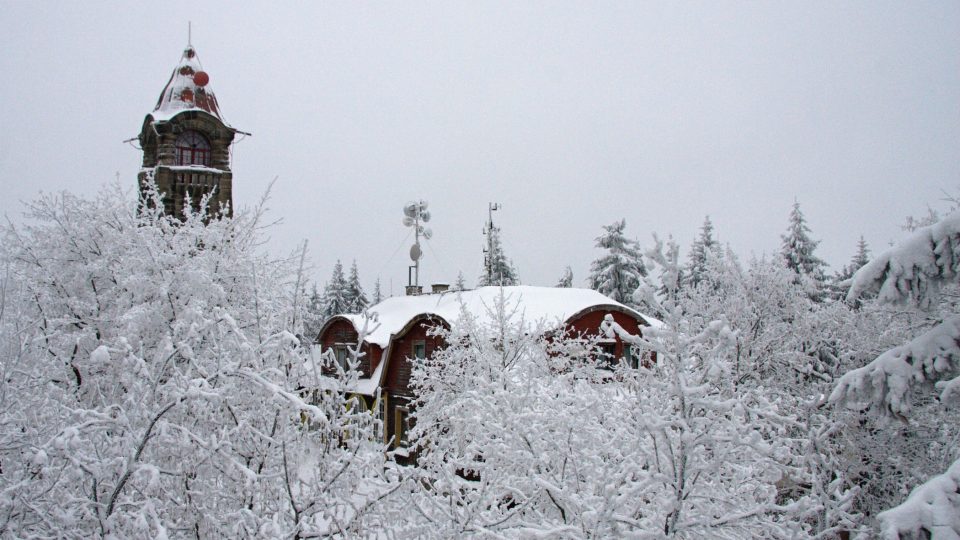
[571, 115]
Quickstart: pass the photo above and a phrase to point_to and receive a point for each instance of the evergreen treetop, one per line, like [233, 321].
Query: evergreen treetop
[377, 293]
[617, 273]
[797, 247]
[699, 253]
[499, 270]
[357, 300]
[336, 296]
[461, 284]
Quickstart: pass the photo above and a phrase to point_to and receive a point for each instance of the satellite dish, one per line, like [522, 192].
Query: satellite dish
[410, 210]
[425, 215]
[428, 234]
[407, 220]
[423, 205]
[415, 252]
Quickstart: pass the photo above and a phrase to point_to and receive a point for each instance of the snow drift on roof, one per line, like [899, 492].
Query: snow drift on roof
[551, 305]
[186, 90]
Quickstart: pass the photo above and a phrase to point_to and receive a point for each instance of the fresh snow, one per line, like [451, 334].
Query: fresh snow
[933, 506]
[915, 268]
[551, 305]
[887, 381]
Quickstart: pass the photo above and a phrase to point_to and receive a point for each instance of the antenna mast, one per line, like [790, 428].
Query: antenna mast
[415, 214]
[488, 231]
[189, 33]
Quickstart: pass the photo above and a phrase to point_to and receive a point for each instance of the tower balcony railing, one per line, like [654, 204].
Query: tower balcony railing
[196, 176]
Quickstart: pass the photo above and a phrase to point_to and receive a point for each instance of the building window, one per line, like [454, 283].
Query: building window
[340, 352]
[192, 148]
[419, 350]
[608, 355]
[632, 355]
[401, 426]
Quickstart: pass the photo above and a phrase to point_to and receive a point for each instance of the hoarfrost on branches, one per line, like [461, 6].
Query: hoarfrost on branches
[153, 384]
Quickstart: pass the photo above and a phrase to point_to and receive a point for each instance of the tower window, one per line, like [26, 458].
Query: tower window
[192, 149]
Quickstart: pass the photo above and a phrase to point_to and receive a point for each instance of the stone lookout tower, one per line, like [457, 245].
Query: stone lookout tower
[186, 143]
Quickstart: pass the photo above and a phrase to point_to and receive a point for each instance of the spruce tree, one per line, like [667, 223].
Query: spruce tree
[356, 299]
[377, 294]
[859, 259]
[797, 248]
[499, 270]
[699, 252]
[566, 280]
[461, 284]
[617, 273]
[314, 316]
[336, 294]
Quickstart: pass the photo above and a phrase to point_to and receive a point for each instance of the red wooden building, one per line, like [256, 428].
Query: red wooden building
[397, 331]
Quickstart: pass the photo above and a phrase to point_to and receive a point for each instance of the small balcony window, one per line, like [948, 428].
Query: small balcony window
[192, 148]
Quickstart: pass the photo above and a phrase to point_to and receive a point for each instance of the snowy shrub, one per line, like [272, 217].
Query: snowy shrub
[153, 385]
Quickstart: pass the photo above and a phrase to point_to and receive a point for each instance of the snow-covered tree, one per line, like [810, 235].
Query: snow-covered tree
[566, 280]
[520, 436]
[461, 283]
[313, 314]
[498, 270]
[859, 259]
[617, 273]
[912, 273]
[153, 384]
[357, 300]
[798, 248]
[377, 293]
[336, 294]
[702, 247]
[700, 392]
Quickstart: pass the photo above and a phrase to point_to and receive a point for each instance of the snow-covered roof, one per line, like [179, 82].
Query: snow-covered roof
[188, 89]
[551, 305]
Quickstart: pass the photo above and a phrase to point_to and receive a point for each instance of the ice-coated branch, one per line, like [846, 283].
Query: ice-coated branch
[931, 511]
[886, 382]
[914, 269]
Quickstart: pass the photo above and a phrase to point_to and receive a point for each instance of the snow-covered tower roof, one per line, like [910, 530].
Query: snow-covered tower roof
[187, 89]
[186, 144]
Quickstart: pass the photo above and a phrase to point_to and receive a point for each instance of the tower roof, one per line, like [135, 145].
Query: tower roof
[187, 89]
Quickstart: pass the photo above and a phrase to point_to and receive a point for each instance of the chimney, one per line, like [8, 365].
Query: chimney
[440, 287]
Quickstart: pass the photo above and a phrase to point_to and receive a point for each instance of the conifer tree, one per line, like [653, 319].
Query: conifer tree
[860, 258]
[699, 252]
[499, 270]
[314, 316]
[461, 284]
[797, 248]
[336, 298]
[617, 273]
[566, 280]
[356, 299]
[377, 294]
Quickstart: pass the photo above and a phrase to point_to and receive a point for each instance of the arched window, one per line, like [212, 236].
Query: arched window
[192, 149]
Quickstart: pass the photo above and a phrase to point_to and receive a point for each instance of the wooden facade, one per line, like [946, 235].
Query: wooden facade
[414, 339]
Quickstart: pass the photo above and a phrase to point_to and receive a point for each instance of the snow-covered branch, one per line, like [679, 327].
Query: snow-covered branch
[931, 511]
[887, 382]
[916, 268]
